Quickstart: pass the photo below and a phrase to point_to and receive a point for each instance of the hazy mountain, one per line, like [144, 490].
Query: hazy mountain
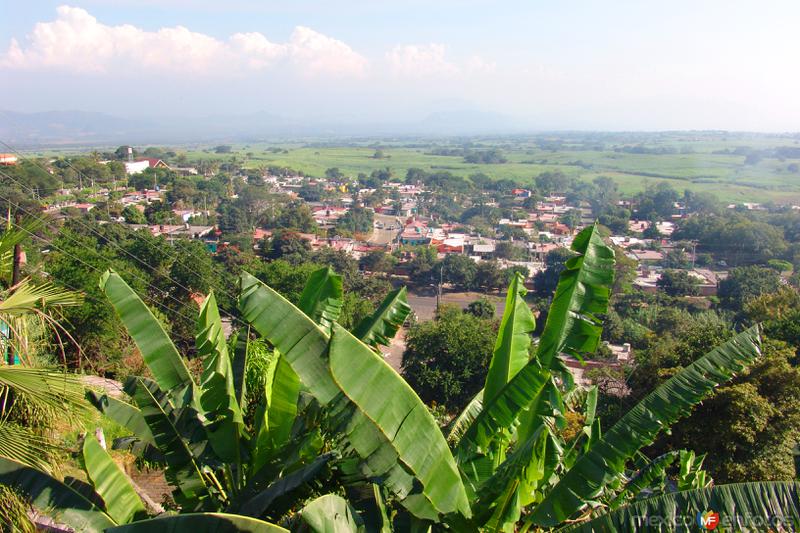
[81, 127]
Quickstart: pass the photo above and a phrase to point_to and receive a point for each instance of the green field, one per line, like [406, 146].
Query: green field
[692, 165]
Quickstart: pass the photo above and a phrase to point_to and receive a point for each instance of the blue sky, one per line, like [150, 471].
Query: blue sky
[550, 65]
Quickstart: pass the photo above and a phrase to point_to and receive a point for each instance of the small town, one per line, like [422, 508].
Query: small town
[376, 267]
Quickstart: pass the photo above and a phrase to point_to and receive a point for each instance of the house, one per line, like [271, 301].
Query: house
[415, 232]
[8, 160]
[521, 193]
[186, 214]
[135, 167]
[648, 256]
[484, 251]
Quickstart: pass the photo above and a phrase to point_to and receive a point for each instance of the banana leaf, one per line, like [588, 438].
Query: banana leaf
[381, 327]
[111, 484]
[646, 477]
[321, 299]
[503, 412]
[63, 504]
[178, 433]
[276, 414]
[500, 497]
[386, 403]
[259, 504]
[158, 352]
[513, 340]
[462, 422]
[296, 336]
[200, 523]
[123, 414]
[638, 428]
[383, 417]
[331, 514]
[224, 422]
[572, 325]
[239, 365]
[742, 507]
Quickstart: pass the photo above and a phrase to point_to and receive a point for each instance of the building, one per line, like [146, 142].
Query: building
[135, 167]
[8, 160]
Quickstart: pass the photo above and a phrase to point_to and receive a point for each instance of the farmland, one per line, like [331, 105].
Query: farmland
[736, 167]
[708, 162]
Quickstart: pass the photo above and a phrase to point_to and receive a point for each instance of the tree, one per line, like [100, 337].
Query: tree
[745, 283]
[481, 308]
[678, 283]
[378, 261]
[446, 359]
[545, 281]
[297, 216]
[357, 220]
[133, 215]
[489, 276]
[421, 265]
[459, 270]
[289, 246]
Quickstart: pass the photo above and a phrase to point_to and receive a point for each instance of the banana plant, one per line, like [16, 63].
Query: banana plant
[506, 462]
[508, 443]
[110, 502]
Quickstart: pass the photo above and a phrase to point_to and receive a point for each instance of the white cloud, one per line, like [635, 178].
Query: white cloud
[420, 60]
[77, 41]
[320, 54]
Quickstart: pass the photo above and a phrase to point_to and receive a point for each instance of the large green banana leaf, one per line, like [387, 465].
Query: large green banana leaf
[499, 497]
[387, 403]
[321, 299]
[177, 432]
[513, 340]
[158, 352]
[217, 392]
[296, 336]
[276, 414]
[502, 412]
[742, 507]
[111, 484]
[638, 427]
[200, 523]
[57, 500]
[123, 414]
[331, 514]
[239, 365]
[384, 417]
[582, 293]
[381, 327]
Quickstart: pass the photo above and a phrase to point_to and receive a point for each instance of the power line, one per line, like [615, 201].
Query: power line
[172, 311]
[174, 258]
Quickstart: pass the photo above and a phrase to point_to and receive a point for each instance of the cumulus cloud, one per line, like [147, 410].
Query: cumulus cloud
[430, 60]
[414, 60]
[77, 41]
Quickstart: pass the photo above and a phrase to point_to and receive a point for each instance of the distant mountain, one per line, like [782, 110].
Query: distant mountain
[468, 122]
[82, 127]
[66, 127]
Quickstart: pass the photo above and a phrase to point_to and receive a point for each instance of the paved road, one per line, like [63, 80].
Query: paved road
[385, 236]
[423, 301]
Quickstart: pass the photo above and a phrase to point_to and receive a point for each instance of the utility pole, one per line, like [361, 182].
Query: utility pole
[439, 289]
